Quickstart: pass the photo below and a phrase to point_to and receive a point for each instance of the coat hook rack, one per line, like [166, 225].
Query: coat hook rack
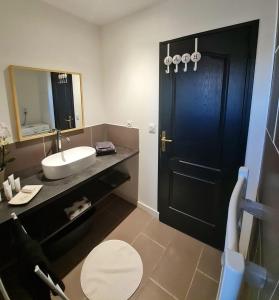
[196, 56]
[176, 61]
[168, 59]
[186, 57]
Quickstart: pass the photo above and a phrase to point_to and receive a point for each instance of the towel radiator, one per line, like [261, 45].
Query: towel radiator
[44, 277]
[47, 280]
[234, 267]
[3, 291]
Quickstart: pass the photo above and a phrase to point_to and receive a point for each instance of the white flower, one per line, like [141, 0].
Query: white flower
[3, 142]
[4, 132]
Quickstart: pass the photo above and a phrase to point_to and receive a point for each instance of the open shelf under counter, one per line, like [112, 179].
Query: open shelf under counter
[95, 192]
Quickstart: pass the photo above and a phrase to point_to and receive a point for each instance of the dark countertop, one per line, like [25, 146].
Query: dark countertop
[53, 189]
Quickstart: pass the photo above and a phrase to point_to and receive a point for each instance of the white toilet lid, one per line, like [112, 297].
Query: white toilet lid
[112, 270]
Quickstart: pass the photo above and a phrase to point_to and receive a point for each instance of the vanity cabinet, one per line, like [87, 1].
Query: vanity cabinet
[44, 217]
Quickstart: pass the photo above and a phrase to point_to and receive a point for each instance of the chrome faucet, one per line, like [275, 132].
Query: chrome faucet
[58, 140]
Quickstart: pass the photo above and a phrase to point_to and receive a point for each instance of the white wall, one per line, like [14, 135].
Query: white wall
[50, 101]
[44, 104]
[32, 94]
[77, 100]
[28, 91]
[37, 35]
[131, 72]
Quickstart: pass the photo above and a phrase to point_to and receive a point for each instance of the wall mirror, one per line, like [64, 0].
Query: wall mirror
[45, 100]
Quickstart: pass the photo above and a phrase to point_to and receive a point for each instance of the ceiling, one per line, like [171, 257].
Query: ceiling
[101, 12]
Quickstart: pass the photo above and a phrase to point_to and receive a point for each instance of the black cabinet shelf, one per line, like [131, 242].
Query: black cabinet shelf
[95, 192]
[44, 217]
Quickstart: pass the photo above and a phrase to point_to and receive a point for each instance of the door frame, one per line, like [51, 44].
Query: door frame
[254, 28]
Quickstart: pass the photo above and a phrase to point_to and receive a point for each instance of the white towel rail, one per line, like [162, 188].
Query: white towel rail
[234, 267]
[238, 194]
[47, 280]
[3, 291]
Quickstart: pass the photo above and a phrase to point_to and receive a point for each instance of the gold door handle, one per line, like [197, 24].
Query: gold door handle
[164, 140]
[69, 121]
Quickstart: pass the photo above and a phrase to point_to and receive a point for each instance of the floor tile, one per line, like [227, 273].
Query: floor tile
[170, 258]
[202, 288]
[150, 253]
[210, 262]
[160, 232]
[151, 291]
[177, 266]
[72, 283]
[129, 229]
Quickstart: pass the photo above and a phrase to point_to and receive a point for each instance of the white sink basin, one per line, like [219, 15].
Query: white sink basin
[68, 162]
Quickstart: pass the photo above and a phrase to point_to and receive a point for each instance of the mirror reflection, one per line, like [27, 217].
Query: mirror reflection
[47, 100]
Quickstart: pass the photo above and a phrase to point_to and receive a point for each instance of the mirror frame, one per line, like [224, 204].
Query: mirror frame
[20, 137]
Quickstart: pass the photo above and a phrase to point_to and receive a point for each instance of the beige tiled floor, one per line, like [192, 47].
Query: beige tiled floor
[175, 265]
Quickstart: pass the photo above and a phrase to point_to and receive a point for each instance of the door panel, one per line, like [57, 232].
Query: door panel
[195, 108]
[205, 114]
[63, 102]
[205, 193]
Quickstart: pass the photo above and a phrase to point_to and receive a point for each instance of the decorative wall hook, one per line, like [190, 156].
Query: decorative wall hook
[176, 61]
[186, 57]
[168, 60]
[196, 56]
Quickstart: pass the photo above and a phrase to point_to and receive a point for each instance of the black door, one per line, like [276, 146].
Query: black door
[205, 114]
[63, 101]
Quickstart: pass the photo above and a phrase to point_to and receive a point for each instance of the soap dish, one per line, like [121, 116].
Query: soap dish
[27, 193]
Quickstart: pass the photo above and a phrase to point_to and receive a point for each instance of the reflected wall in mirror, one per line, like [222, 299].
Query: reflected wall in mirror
[45, 100]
